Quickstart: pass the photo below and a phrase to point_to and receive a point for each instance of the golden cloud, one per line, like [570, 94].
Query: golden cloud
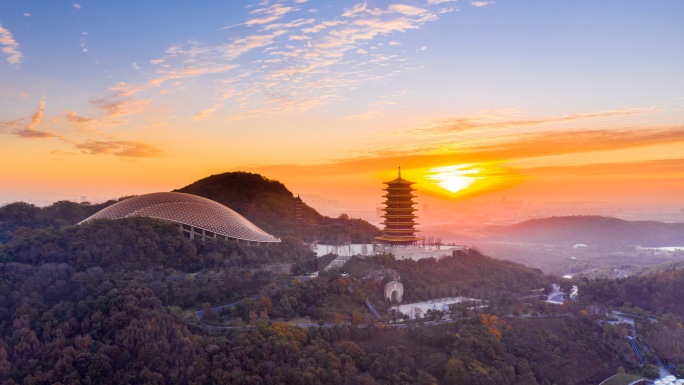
[119, 148]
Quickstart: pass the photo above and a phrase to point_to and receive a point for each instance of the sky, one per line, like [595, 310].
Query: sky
[536, 100]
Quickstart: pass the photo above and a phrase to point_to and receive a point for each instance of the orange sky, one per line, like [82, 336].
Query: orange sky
[557, 103]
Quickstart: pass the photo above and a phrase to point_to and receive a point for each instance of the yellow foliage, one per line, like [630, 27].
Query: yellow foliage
[493, 324]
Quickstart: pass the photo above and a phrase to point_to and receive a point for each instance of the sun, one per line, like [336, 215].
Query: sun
[454, 178]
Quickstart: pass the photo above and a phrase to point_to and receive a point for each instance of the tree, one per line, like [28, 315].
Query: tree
[208, 313]
[455, 372]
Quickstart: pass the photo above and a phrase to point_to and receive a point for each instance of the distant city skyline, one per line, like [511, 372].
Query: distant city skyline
[533, 100]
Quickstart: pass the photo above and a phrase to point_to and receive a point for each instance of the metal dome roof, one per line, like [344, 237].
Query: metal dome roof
[187, 209]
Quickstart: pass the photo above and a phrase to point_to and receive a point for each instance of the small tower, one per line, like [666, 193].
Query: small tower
[298, 209]
[399, 218]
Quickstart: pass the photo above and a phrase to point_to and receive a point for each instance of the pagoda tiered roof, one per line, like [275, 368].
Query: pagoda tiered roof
[399, 218]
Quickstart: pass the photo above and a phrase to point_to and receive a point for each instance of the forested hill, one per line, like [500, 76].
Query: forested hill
[271, 206]
[63, 213]
[591, 230]
[267, 203]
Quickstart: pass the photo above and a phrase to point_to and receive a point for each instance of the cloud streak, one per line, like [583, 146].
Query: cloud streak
[499, 120]
[37, 116]
[269, 14]
[660, 168]
[515, 147]
[10, 47]
[120, 101]
[118, 148]
[281, 60]
[33, 134]
[30, 132]
[479, 4]
[83, 123]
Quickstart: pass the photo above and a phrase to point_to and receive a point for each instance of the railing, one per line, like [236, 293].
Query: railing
[372, 309]
[637, 351]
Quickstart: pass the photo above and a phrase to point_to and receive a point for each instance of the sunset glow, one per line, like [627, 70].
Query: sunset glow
[557, 101]
[454, 178]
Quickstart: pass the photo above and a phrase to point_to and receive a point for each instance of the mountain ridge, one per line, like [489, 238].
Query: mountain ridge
[590, 230]
[271, 206]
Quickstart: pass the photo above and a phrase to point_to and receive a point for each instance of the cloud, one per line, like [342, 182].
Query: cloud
[497, 119]
[284, 61]
[376, 110]
[408, 10]
[540, 144]
[647, 168]
[356, 9]
[323, 25]
[34, 134]
[83, 123]
[269, 14]
[77, 6]
[195, 59]
[479, 4]
[10, 46]
[37, 116]
[435, 2]
[30, 132]
[11, 125]
[119, 148]
[119, 101]
[531, 146]
[299, 37]
[61, 153]
[577, 141]
[205, 113]
[192, 71]
[293, 24]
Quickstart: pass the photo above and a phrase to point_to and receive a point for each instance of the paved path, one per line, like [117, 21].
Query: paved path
[337, 262]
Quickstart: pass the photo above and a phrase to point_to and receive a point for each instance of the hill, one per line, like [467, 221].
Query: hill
[63, 213]
[658, 294]
[590, 230]
[265, 202]
[103, 303]
[271, 206]
[465, 272]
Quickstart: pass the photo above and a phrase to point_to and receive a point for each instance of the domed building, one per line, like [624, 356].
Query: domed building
[195, 215]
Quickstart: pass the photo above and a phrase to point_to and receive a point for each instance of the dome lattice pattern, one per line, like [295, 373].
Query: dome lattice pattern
[189, 210]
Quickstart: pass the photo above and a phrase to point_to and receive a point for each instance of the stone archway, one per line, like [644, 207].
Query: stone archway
[394, 291]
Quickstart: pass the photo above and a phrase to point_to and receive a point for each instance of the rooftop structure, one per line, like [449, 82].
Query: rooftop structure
[394, 291]
[195, 215]
[399, 213]
[669, 380]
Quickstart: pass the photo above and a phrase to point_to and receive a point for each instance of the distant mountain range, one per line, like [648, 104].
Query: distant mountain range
[590, 230]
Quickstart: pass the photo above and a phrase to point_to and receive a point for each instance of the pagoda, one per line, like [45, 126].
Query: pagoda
[298, 210]
[399, 218]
